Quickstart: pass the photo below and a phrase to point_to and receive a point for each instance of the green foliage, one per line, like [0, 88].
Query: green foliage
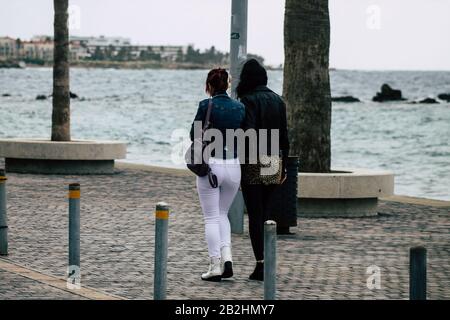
[98, 54]
[259, 58]
[149, 55]
[109, 52]
[210, 56]
[35, 61]
[124, 54]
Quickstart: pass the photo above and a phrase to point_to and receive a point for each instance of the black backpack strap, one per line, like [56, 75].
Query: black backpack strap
[208, 115]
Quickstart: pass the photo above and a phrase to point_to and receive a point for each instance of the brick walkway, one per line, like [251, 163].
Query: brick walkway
[327, 259]
[17, 287]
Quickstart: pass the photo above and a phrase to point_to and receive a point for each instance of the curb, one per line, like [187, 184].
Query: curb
[55, 282]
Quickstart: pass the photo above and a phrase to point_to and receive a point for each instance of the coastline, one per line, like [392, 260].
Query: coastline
[178, 172]
[133, 65]
[140, 95]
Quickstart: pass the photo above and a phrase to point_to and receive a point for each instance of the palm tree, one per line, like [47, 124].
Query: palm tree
[306, 87]
[61, 93]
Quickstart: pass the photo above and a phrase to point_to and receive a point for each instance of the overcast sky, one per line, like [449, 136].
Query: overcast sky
[366, 34]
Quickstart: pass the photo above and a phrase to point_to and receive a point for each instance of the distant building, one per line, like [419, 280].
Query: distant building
[78, 51]
[40, 47]
[102, 41]
[39, 50]
[42, 38]
[114, 46]
[8, 48]
[169, 52]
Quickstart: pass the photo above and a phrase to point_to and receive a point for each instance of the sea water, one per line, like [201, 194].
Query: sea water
[144, 107]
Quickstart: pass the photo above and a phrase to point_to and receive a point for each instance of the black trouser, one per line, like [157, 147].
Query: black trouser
[257, 197]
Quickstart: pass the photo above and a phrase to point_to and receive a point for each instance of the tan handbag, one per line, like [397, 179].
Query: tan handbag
[267, 171]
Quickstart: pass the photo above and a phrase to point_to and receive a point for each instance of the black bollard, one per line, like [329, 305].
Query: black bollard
[418, 273]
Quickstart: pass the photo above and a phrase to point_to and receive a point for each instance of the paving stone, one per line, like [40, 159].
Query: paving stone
[16, 287]
[327, 259]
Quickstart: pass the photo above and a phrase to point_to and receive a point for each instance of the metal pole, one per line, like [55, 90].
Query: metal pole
[161, 246]
[236, 214]
[270, 259]
[418, 273]
[238, 41]
[3, 217]
[74, 275]
[238, 55]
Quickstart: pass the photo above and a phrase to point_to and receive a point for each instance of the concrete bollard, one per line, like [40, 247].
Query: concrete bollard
[73, 273]
[236, 214]
[3, 217]
[270, 259]
[161, 248]
[418, 273]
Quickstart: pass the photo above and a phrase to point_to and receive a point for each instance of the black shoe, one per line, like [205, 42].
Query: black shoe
[284, 231]
[213, 279]
[227, 269]
[258, 273]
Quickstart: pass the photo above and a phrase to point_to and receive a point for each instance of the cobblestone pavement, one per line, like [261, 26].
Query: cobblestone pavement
[326, 259]
[16, 287]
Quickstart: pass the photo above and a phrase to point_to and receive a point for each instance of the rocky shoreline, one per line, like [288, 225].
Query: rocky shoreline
[136, 65]
[114, 65]
[388, 94]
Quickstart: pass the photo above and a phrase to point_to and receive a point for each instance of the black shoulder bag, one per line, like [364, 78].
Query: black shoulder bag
[194, 155]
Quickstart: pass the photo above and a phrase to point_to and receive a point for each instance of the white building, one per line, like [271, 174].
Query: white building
[8, 48]
[169, 52]
[41, 50]
[101, 42]
[78, 52]
[41, 38]
[40, 47]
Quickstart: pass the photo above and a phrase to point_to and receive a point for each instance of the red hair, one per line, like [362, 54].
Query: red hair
[217, 80]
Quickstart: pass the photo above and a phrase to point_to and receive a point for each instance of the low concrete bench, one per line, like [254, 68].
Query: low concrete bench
[54, 157]
[345, 192]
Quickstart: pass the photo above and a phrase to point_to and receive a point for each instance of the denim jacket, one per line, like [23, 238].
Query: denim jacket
[226, 113]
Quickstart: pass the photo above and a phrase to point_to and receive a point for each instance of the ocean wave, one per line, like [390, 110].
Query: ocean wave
[143, 107]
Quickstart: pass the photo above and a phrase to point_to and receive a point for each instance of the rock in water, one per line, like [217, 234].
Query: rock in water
[73, 95]
[444, 96]
[41, 97]
[345, 99]
[428, 100]
[388, 94]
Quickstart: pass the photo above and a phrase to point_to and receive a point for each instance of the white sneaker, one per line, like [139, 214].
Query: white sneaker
[227, 262]
[214, 273]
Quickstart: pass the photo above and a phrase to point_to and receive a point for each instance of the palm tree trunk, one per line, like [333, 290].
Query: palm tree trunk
[61, 93]
[306, 87]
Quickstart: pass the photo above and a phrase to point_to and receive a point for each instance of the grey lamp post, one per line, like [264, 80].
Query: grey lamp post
[238, 55]
[238, 41]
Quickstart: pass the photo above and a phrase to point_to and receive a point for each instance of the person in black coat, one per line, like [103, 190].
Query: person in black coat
[264, 110]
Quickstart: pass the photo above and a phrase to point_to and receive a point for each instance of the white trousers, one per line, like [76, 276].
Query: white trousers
[216, 202]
